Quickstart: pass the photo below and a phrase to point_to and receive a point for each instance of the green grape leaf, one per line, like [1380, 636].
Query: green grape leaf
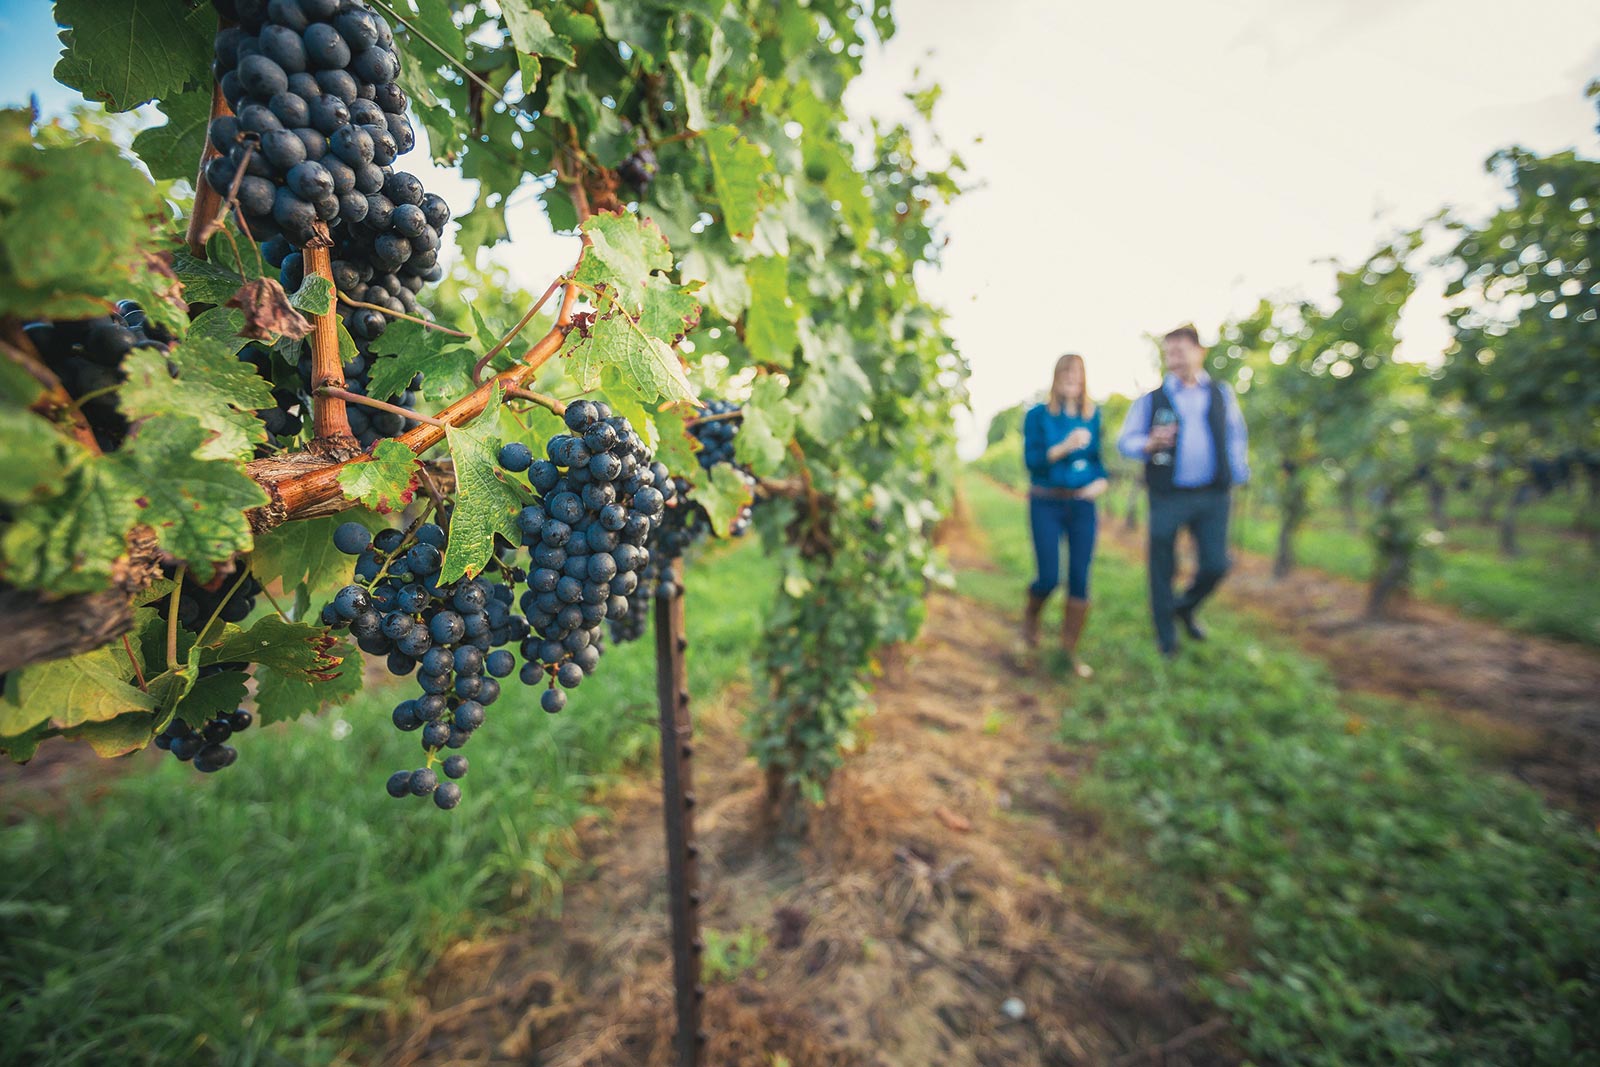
[483, 226]
[38, 458]
[219, 326]
[211, 386]
[772, 325]
[532, 35]
[75, 224]
[204, 282]
[433, 20]
[766, 429]
[123, 53]
[408, 349]
[737, 172]
[625, 253]
[172, 151]
[195, 506]
[488, 498]
[617, 340]
[68, 543]
[302, 553]
[115, 737]
[92, 687]
[215, 694]
[314, 297]
[832, 400]
[722, 491]
[689, 89]
[386, 482]
[676, 448]
[625, 401]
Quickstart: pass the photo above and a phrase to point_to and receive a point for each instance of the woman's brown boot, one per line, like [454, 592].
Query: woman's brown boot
[1030, 622]
[1072, 620]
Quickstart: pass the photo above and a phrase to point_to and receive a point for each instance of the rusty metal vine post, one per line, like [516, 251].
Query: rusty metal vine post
[677, 797]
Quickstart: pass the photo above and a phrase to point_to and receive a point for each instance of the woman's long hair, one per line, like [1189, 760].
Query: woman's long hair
[1058, 387]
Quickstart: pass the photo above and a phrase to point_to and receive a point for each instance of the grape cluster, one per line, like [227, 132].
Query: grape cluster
[716, 436]
[85, 355]
[600, 497]
[319, 120]
[398, 608]
[683, 523]
[208, 746]
[639, 169]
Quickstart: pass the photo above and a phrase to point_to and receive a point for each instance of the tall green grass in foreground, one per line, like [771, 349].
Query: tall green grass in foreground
[255, 916]
[1355, 887]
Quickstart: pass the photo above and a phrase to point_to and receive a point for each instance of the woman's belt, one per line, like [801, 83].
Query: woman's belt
[1050, 492]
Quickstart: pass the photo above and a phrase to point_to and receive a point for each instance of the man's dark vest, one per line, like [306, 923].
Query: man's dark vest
[1158, 476]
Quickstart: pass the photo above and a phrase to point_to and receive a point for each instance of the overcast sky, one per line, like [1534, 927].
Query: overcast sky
[1137, 166]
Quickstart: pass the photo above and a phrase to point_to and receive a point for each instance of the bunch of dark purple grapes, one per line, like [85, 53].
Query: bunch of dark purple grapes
[600, 497]
[448, 633]
[639, 169]
[716, 431]
[682, 524]
[319, 120]
[208, 746]
[85, 355]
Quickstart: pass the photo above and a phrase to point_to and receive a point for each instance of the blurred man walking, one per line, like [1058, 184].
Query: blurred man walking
[1190, 435]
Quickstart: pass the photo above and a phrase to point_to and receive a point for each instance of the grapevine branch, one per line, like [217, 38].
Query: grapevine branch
[549, 403]
[328, 418]
[381, 405]
[206, 201]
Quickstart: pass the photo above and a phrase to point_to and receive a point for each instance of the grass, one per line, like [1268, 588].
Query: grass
[262, 915]
[1547, 590]
[1352, 884]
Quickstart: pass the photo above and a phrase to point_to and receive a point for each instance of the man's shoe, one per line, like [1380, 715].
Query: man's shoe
[1190, 627]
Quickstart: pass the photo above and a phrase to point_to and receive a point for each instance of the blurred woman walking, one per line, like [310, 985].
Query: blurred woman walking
[1061, 447]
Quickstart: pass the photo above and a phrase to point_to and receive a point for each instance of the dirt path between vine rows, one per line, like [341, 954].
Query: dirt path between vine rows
[1538, 699]
[928, 894]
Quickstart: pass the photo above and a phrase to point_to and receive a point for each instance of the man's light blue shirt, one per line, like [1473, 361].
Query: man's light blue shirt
[1195, 462]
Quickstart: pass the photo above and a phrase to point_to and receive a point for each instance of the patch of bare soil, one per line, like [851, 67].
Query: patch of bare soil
[925, 897]
[1539, 698]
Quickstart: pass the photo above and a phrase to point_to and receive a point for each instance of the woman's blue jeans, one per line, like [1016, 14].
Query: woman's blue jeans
[1055, 520]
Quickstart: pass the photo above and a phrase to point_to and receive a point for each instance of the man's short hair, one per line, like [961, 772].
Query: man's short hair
[1188, 333]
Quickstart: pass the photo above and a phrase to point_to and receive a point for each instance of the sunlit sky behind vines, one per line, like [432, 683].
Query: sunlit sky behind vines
[1136, 166]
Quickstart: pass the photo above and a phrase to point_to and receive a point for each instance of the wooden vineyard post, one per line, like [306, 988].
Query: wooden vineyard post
[677, 803]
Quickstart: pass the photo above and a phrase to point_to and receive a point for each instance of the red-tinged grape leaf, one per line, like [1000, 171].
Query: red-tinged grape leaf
[284, 695]
[488, 498]
[723, 491]
[386, 482]
[268, 314]
[123, 53]
[772, 325]
[210, 385]
[298, 649]
[766, 429]
[738, 170]
[91, 687]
